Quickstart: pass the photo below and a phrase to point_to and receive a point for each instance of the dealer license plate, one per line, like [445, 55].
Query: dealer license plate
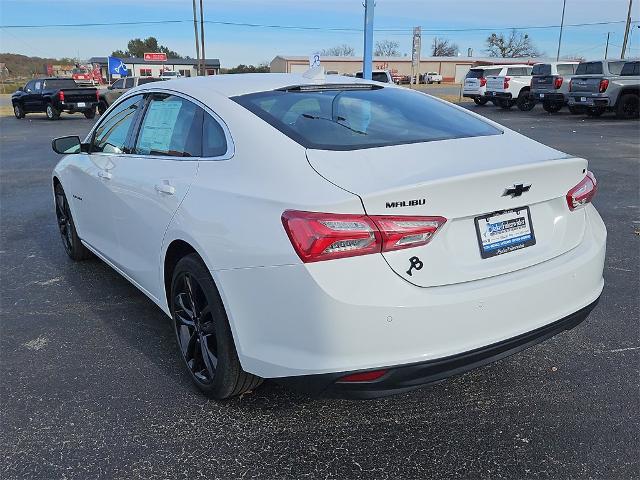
[542, 95]
[81, 104]
[504, 232]
[583, 99]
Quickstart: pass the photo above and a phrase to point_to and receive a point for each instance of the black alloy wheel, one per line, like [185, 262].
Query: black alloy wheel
[525, 102]
[70, 240]
[552, 107]
[628, 106]
[203, 333]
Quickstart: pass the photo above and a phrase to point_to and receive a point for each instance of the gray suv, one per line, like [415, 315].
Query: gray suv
[550, 84]
[606, 85]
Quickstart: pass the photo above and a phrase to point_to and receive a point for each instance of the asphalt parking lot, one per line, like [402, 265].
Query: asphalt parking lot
[92, 387]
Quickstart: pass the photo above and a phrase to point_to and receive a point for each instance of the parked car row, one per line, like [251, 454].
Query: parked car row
[591, 88]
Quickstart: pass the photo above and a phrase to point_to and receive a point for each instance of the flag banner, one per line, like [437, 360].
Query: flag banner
[117, 66]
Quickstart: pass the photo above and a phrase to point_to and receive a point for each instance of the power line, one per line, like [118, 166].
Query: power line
[303, 27]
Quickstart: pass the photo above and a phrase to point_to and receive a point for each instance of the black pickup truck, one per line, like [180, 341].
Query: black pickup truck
[53, 96]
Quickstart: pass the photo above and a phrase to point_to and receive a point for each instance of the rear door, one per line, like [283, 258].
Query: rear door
[148, 185]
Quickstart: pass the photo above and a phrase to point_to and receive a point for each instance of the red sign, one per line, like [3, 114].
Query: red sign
[155, 57]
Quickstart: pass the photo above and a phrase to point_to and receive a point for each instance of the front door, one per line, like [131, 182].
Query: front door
[148, 185]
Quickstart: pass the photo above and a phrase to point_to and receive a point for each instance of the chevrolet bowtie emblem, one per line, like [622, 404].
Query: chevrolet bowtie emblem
[517, 190]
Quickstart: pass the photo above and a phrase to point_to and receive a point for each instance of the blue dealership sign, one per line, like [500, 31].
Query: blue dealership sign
[117, 66]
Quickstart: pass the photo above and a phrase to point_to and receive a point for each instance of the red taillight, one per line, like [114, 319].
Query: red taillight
[557, 82]
[364, 376]
[604, 84]
[61, 96]
[506, 82]
[483, 81]
[583, 192]
[327, 236]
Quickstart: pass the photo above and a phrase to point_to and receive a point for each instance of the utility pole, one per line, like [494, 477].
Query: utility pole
[626, 32]
[606, 49]
[564, 5]
[204, 71]
[367, 59]
[195, 32]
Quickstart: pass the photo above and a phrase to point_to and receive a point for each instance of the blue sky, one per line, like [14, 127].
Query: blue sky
[242, 44]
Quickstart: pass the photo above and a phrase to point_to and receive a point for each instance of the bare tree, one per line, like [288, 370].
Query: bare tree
[517, 44]
[343, 50]
[442, 48]
[387, 48]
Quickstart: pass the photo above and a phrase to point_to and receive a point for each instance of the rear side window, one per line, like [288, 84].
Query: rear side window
[630, 68]
[475, 73]
[589, 68]
[111, 135]
[615, 67]
[214, 143]
[351, 118]
[566, 68]
[542, 69]
[172, 126]
[146, 80]
[379, 77]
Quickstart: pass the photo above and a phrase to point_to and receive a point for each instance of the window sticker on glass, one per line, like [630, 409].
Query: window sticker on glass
[158, 127]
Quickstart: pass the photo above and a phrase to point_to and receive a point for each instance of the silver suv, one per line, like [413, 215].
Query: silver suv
[550, 84]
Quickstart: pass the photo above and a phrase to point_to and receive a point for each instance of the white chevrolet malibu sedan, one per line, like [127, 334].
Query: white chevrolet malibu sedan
[346, 237]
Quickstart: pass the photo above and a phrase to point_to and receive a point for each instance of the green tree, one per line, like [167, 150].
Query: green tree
[517, 44]
[138, 47]
[262, 68]
[343, 50]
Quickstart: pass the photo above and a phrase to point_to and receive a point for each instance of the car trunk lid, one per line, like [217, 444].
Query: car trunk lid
[461, 180]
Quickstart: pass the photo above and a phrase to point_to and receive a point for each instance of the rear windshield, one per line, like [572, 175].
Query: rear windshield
[589, 68]
[376, 76]
[541, 69]
[356, 117]
[483, 72]
[61, 83]
[630, 68]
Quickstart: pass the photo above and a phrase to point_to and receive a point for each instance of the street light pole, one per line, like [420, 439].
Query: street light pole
[195, 31]
[204, 71]
[367, 59]
[626, 32]
[606, 49]
[564, 5]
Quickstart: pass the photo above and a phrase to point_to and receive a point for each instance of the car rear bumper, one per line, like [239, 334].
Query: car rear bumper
[500, 95]
[553, 97]
[399, 379]
[589, 100]
[78, 106]
[356, 314]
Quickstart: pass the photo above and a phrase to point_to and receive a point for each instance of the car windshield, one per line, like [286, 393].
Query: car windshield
[356, 116]
[60, 83]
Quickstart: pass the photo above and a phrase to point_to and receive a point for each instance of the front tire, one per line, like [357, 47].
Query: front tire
[480, 100]
[72, 244]
[551, 107]
[203, 334]
[52, 112]
[628, 106]
[18, 111]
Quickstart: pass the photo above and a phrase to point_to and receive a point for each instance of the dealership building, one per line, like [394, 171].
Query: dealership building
[139, 67]
[452, 69]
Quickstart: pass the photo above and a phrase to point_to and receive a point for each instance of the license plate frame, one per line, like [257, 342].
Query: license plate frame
[583, 99]
[81, 104]
[523, 235]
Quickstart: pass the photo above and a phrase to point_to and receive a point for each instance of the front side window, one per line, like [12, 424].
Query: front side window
[30, 86]
[172, 126]
[38, 85]
[118, 83]
[361, 116]
[128, 82]
[111, 135]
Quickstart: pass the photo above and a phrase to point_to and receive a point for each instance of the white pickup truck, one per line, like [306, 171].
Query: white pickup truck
[512, 88]
[432, 77]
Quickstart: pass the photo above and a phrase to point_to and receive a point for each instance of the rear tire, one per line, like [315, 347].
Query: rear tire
[551, 107]
[628, 106]
[480, 100]
[52, 112]
[89, 114]
[525, 102]
[595, 112]
[506, 104]
[203, 335]
[72, 244]
[18, 111]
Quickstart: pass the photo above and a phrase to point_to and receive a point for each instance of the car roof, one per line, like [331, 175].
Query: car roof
[486, 67]
[231, 85]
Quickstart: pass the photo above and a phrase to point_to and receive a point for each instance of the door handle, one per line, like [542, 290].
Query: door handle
[105, 175]
[165, 188]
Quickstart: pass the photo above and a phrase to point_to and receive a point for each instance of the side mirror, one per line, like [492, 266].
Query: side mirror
[67, 145]
[110, 87]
